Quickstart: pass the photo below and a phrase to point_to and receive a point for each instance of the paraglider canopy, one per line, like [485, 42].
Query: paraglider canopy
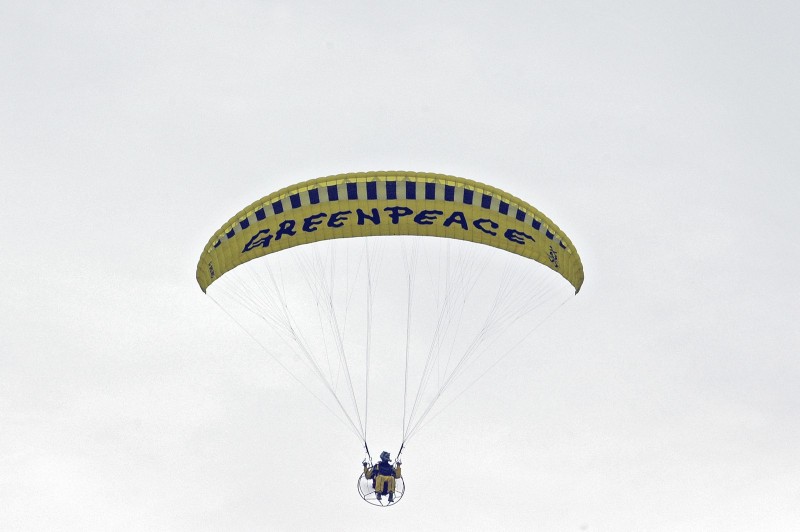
[388, 203]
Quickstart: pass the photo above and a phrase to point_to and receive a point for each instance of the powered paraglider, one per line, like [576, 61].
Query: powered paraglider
[403, 285]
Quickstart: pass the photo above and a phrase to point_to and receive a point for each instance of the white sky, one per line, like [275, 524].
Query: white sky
[662, 137]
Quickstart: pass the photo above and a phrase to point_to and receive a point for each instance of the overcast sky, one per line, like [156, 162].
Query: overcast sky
[663, 137]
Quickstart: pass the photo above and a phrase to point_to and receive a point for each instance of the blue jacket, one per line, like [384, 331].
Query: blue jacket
[385, 469]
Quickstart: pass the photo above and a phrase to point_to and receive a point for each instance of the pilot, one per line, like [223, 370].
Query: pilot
[383, 474]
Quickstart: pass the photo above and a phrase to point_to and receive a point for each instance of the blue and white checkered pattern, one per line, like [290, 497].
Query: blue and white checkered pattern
[389, 190]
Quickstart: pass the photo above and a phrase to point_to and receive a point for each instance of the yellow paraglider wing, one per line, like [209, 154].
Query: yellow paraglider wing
[388, 203]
